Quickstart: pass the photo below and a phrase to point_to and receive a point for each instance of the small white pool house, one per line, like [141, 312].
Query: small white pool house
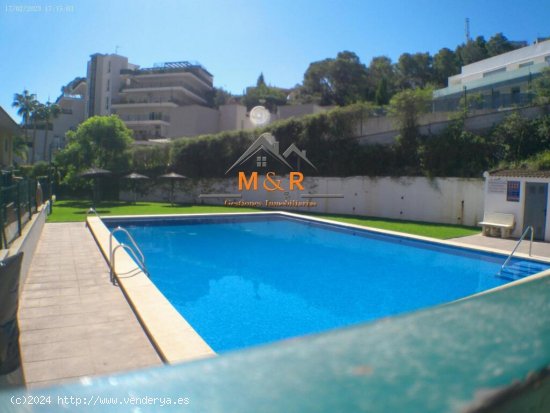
[521, 193]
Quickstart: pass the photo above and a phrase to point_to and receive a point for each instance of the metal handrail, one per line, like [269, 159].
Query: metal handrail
[132, 240]
[93, 211]
[529, 228]
[141, 264]
[140, 260]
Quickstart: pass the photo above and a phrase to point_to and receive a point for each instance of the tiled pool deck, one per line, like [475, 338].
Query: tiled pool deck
[73, 321]
[540, 249]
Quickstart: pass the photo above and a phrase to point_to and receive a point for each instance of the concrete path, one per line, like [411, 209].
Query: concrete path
[540, 249]
[73, 321]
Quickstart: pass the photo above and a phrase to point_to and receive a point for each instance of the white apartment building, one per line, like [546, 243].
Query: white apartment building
[501, 81]
[73, 112]
[166, 101]
[43, 144]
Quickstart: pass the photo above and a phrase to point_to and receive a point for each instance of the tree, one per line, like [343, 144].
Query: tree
[219, 96]
[541, 87]
[445, 64]
[473, 51]
[20, 147]
[264, 95]
[50, 111]
[457, 152]
[519, 137]
[498, 44]
[414, 70]
[317, 83]
[349, 77]
[381, 79]
[101, 141]
[406, 107]
[37, 116]
[340, 81]
[382, 95]
[26, 104]
[261, 80]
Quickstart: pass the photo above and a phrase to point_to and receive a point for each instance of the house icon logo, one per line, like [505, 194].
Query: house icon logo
[264, 153]
[280, 175]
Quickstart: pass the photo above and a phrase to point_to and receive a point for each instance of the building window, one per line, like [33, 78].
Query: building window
[109, 66]
[107, 103]
[526, 64]
[108, 84]
[494, 72]
[261, 161]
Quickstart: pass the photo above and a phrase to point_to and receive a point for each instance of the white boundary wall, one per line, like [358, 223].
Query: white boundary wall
[441, 200]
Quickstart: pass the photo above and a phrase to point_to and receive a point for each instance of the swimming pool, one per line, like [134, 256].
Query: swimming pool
[244, 280]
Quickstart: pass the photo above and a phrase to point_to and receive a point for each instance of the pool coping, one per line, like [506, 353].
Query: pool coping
[173, 337]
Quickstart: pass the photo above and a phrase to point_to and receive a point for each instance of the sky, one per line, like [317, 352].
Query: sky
[45, 44]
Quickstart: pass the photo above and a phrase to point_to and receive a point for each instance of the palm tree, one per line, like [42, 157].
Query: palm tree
[20, 147]
[26, 104]
[37, 116]
[50, 111]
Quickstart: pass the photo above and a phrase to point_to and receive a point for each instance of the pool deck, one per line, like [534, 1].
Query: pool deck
[73, 321]
[540, 249]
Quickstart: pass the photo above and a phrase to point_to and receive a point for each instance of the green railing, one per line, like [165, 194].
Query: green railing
[486, 354]
[18, 202]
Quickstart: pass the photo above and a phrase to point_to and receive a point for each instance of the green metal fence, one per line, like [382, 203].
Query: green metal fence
[19, 200]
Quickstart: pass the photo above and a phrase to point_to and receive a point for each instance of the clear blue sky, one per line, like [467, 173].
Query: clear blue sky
[237, 39]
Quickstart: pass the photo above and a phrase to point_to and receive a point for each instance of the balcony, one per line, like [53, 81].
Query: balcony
[149, 87]
[148, 119]
[125, 103]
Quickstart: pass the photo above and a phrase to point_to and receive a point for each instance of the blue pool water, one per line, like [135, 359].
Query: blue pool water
[247, 280]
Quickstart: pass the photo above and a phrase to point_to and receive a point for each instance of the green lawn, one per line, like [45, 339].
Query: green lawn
[75, 211]
[426, 229]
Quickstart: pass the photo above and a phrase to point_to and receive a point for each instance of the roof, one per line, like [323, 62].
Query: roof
[520, 173]
[172, 67]
[7, 123]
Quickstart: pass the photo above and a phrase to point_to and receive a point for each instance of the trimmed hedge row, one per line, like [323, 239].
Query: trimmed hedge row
[330, 141]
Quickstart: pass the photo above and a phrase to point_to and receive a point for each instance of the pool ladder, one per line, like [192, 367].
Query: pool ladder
[529, 228]
[131, 248]
[140, 260]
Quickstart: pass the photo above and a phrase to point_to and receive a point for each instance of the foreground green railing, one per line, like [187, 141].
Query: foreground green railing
[490, 353]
